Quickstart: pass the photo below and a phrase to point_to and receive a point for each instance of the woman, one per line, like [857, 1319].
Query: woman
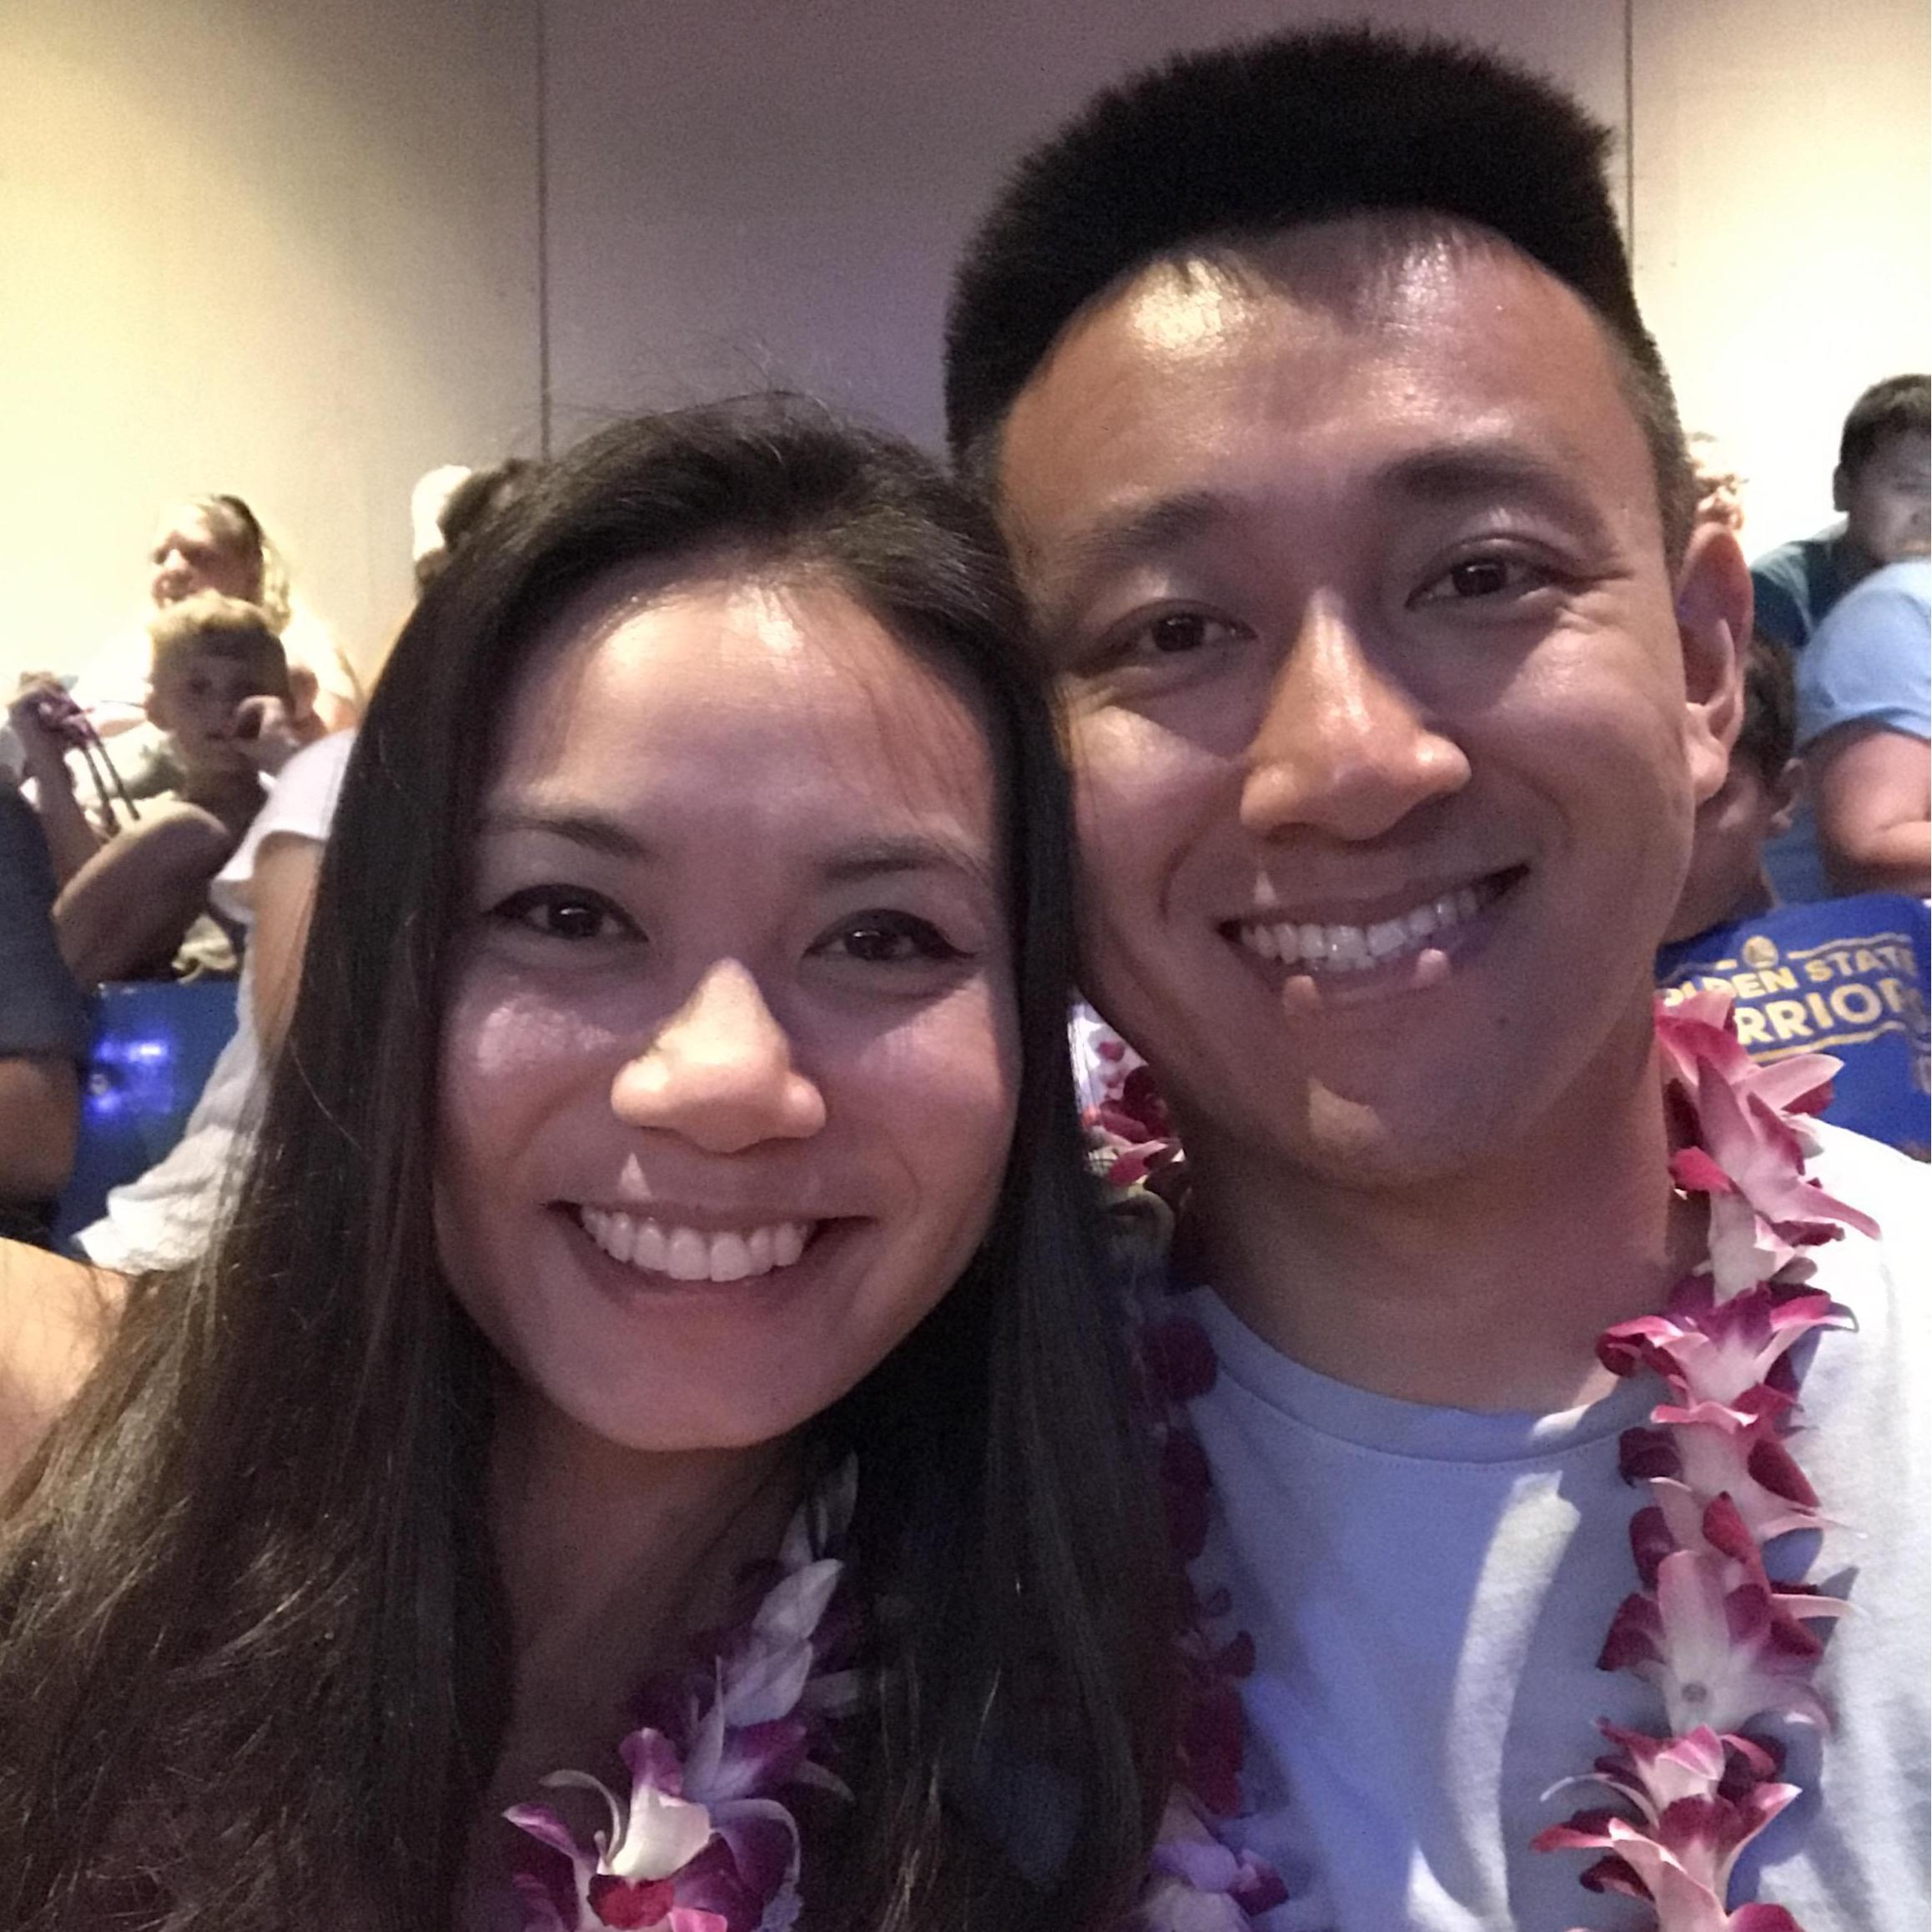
[675, 1119]
[217, 543]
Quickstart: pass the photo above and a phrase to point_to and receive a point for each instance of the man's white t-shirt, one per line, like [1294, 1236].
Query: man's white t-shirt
[165, 1216]
[1429, 1589]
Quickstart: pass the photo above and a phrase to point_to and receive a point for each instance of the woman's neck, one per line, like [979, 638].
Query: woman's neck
[608, 1556]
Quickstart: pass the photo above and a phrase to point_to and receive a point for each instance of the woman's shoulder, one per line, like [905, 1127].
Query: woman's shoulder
[54, 1317]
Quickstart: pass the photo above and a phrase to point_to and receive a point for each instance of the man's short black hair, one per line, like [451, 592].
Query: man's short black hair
[1899, 405]
[1243, 142]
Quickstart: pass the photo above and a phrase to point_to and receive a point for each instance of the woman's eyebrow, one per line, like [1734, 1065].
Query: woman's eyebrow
[910, 851]
[865, 858]
[591, 830]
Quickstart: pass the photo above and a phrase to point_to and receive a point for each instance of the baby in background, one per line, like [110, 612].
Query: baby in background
[218, 684]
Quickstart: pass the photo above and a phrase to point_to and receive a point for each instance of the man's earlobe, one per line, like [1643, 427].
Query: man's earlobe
[1840, 490]
[1714, 627]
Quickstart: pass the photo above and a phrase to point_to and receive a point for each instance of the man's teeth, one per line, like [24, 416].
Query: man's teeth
[689, 1255]
[1336, 949]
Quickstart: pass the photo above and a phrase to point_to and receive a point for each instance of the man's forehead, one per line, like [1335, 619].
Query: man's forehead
[1361, 268]
[1335, 320]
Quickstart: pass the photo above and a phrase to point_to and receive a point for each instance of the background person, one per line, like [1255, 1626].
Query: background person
[1726, 881]
[1864, 716]
[166, 1216]
[218, 688]
[211, 543]
[676, 1105]
[217, 543]
[1849, 977]
[44, 1029]
[1882, 489]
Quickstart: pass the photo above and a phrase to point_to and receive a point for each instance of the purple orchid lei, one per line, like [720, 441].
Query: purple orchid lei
[1723, 1645]
[702, 1844]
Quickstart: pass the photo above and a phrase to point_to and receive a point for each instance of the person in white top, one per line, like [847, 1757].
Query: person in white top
[165, 1216]
[1348, 492]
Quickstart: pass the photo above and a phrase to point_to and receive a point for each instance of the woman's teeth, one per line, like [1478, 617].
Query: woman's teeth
[690, 1255]
[1341, 949]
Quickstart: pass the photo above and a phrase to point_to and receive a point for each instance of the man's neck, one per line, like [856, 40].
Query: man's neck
[1851, 561]
[1483, 1290]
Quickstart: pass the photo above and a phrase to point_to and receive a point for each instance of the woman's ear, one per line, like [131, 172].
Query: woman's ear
[1713, 628]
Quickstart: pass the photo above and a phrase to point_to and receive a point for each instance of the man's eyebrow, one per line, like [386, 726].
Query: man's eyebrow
[1134, 531]
[591, 830]
[1460, 473]
[1450, 474]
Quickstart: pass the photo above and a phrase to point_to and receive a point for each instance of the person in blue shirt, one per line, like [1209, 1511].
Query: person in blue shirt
[1865, 718]
[1880, 489]
[1844, 976]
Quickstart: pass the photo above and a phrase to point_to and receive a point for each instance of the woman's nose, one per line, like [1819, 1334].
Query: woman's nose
[719, 1071]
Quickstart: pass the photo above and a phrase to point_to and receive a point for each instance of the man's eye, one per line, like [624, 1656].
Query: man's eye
[563, 912]
[888, 938]
[1482, 577]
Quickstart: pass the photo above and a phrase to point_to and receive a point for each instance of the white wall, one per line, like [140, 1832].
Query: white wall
[286, 250]
[777, 189]
[293, 250]
[754, 189]
[1783, 223]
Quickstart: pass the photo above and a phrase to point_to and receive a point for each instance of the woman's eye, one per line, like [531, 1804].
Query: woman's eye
[563, 912]
[1176, 632]
[888, 938]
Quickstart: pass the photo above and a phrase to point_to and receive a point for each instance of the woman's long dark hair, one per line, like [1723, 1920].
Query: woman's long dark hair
[253, 1651]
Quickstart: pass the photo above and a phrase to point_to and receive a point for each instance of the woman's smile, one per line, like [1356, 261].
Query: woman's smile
[775, 1018]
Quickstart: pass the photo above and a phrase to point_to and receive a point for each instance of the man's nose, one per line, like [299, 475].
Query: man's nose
[1342, 748]
[719, 1071]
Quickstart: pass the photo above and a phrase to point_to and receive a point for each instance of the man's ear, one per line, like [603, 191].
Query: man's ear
[1713, 628]
[1841, 489]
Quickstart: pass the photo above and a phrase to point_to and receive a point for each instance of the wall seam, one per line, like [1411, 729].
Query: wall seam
[543, 225]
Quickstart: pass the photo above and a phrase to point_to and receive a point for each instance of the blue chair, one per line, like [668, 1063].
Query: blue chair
[154, 1044]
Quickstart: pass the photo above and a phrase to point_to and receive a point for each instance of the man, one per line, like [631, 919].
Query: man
[1349, 493]
[1882, 490]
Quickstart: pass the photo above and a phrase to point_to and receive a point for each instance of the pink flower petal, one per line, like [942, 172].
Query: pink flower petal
[619, 1903]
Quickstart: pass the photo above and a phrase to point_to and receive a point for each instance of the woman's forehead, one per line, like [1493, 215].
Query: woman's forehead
[786, 687]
